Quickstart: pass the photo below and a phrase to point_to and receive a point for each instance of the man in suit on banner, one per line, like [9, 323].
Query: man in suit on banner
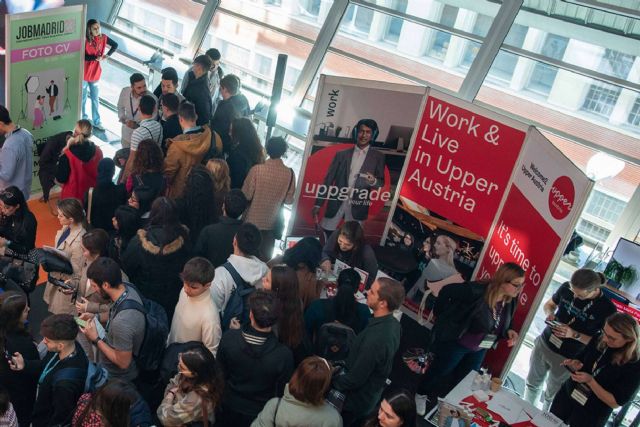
[359, 168]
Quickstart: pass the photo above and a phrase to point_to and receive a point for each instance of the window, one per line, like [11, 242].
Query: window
[262, 64]
[543, 75]
[616, 63]
[592, 231]
[605, 207]
[394, 26]
[358, 19]
[290, 78]
[153, 21]
[176, 30]
[601, 99]
[440, 44]
[634, 115]
[311, 7]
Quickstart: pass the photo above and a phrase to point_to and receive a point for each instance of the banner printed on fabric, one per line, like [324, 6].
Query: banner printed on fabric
[45, 56]
[461, 162]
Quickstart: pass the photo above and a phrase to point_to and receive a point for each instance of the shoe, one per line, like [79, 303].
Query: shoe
[421, 404]
[98, 126]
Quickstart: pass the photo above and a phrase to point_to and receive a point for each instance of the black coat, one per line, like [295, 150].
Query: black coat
[215, 242]
[460, 304]
[253, 373]
[197, 92]
[20, 385]
[153, 262]
[21, 233]
[104, 202]
[57, 398]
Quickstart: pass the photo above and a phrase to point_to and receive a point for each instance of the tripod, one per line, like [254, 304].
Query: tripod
[23, 115]
[67, 104]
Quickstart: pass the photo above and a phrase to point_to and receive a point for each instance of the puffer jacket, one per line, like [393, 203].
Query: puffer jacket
[183, 152]
[153, 261]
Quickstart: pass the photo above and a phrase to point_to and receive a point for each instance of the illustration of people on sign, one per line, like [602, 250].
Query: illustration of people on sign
[358, 168]
[38, 113]
[52, 91]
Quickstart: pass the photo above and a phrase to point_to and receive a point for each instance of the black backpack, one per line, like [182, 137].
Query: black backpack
[238, 304]
[156, 330]
[334, 339]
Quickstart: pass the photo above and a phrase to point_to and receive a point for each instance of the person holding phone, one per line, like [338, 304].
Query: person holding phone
[606, 375]
[575, 313]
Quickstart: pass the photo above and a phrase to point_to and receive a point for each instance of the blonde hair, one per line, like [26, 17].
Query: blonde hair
[626, 326]
[85, 128]
[220, 171]
[505, 274]
[451, 246]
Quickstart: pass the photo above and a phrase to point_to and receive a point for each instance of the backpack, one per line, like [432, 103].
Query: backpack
[238, 304]
[95, 377]
[156, 330]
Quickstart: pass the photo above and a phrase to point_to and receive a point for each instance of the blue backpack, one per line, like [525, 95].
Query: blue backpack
[238, 304]
[156, 330]
[95, 376]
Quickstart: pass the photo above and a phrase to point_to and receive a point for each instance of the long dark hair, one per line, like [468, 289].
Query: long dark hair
[90, 23]
[306, 253]
[246, 140]
[12, 304]
[165, 215]
[112, 402]
[352, 231]
[13, 196]
[208, 382]
[197, 202]
[402, 403]
[345, 300]
[284, 283]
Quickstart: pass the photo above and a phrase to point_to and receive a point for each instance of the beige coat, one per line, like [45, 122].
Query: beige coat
[60, 303]
[183, 152]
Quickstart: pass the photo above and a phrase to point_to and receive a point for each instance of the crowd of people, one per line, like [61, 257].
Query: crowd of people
[173, 311]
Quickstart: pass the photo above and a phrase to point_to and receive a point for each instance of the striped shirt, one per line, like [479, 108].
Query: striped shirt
[149, 129]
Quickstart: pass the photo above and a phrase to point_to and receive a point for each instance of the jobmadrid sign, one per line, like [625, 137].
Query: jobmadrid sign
[44, 68]
[479, 190]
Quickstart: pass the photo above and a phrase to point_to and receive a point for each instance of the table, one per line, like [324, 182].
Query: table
[462, 395]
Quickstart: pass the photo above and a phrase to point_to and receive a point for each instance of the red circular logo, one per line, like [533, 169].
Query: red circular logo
[561, 197]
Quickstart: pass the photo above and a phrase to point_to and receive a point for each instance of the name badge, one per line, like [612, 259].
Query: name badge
[580, 394]
[557, 342]
[488, 341]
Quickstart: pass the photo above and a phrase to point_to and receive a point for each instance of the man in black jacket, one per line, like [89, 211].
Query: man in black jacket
[170, 122]
[61, 374]
[256, 366]
[371, 356]
[197, 90]
[233, 105]
[216, 240]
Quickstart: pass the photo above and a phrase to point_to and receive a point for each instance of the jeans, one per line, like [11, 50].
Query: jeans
[544, 360]
[451, 364]
[91, 89]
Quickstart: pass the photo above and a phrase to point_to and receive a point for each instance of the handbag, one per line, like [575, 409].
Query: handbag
[278, 225]
[52, 260]
[18, 271]
[335, 397]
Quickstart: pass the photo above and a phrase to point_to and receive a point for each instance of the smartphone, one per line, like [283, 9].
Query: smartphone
[570, 369]
[553, 323]
[7, 356]
[59, 283]
[80, 322]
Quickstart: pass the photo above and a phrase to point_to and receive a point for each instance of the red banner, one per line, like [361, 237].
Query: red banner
[460, 164]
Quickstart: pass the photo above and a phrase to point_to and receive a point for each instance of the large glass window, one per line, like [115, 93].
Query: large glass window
[543, 75]
[166, 23]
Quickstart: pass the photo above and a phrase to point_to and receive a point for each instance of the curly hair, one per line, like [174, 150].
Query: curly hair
[197, 204]
[246, 140]
[149, 158]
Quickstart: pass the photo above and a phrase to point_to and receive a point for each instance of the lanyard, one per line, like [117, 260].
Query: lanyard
[497, 314]
[114, 307]
[133, 112]
[595, 369]
[48, 368]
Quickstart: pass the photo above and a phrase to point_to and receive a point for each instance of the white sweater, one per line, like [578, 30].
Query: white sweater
[196, 319]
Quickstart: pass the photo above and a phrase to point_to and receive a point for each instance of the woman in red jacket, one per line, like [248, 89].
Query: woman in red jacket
[77, 169]
[94, 54]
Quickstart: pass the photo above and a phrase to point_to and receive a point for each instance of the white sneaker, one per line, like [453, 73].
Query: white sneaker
[421, 404]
